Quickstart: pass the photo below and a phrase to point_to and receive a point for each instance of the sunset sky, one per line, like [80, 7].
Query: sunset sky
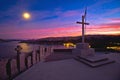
[57, 18]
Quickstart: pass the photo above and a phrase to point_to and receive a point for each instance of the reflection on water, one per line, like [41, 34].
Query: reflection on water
[25, 47]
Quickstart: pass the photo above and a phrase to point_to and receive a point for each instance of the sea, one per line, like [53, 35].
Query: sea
[7, 49]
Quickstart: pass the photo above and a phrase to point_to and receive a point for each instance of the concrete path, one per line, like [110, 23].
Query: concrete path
[70, 69]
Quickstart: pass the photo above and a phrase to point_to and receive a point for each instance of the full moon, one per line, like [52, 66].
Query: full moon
[26, 15]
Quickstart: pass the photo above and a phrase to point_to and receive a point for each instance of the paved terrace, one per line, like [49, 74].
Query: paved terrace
[70, 69]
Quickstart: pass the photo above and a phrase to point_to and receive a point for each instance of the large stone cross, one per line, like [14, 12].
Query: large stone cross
[83, 29]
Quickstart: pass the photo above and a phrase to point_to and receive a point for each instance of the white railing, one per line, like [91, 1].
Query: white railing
[9, 68]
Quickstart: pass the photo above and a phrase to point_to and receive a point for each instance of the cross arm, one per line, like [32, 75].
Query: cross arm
[82, 23]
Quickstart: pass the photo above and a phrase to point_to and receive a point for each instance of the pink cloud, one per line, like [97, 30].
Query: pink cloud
[115, 20]
[39, 33]
[29, 33]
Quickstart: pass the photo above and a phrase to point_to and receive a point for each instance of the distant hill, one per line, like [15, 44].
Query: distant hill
[87, 38]
[92, 39]
[2, 40]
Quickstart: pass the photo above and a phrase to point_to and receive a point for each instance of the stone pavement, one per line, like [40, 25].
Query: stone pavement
[70, 69]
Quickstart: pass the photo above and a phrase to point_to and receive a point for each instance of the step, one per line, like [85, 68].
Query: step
[94, 59]
[94, 65]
